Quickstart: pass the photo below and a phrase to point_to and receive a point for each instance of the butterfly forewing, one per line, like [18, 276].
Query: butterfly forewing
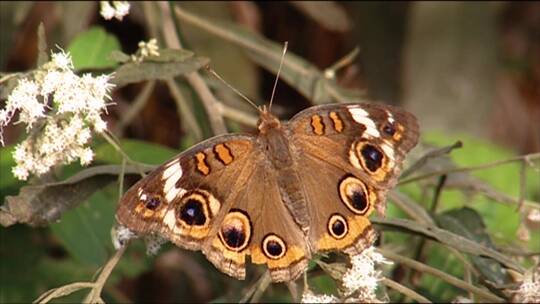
[182, 199]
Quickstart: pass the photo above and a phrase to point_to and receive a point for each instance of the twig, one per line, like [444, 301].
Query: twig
[208, 100]
[238, 115]
[429, 155]
[62, 291]
[9, 76]
[95, 294]
[522, 185]
[448, 238]
[346, 60]
[413, 209]
[254, 287]
[437, 194]
[471, 168]
[210, 103]
[109, 137]
[293, 290]
[121, 180]
[184, 110]
[261, 288]
[405, 290]
[259, 48]
[136, 107]
[442, 275]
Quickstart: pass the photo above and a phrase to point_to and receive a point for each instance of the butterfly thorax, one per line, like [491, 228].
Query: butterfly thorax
[274, 141]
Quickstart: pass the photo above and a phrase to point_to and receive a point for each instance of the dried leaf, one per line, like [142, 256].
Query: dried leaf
[137, 72]
[170, 55]
[119, 56]
[38, 205]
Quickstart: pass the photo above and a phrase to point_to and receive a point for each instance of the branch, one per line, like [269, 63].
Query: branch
[94, 296]
[210, 103]
[523, 158]
[440, 274]
[404, 290]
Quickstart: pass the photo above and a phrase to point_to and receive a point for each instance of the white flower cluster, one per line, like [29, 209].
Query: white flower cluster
[309, 297]
[117, 10]
[529, 290]
[362, 278]
[59, 109]
[146, 49]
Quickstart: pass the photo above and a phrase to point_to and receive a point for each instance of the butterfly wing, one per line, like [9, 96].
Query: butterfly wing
[219, 197]
[274, 239]
[348, 157]
[183, 198]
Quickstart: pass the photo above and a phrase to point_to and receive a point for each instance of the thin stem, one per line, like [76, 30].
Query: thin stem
[111, 139]
[208, 100]
[62, 291]
[345, 61]
[405, 290]
[9, 76]
[471, 168]
[95, 294]
[429, 155]
[121, 179]
[293, 290]
[261, 46]
[522, 185]
[254, 287]
[136, 107]
[210, 103]
[440, 274]
[184, 111]
[261, 287]
[238, 115]
[437, 194]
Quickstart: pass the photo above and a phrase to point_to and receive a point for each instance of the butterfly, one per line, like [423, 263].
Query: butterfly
[279, 196]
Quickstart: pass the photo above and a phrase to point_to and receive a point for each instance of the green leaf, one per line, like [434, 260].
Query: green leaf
[137, 150]
[91, 49]
[503, 179]
[18, 256]
[468, 223]
[448, 238]
[9, 185]
[85, 231]
[132, 72]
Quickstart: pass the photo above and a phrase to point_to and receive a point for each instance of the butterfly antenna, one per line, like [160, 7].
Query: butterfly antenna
[278, 72]
[233, 88]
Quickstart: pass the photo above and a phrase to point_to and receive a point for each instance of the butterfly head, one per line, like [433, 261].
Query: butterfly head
[267, 121]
